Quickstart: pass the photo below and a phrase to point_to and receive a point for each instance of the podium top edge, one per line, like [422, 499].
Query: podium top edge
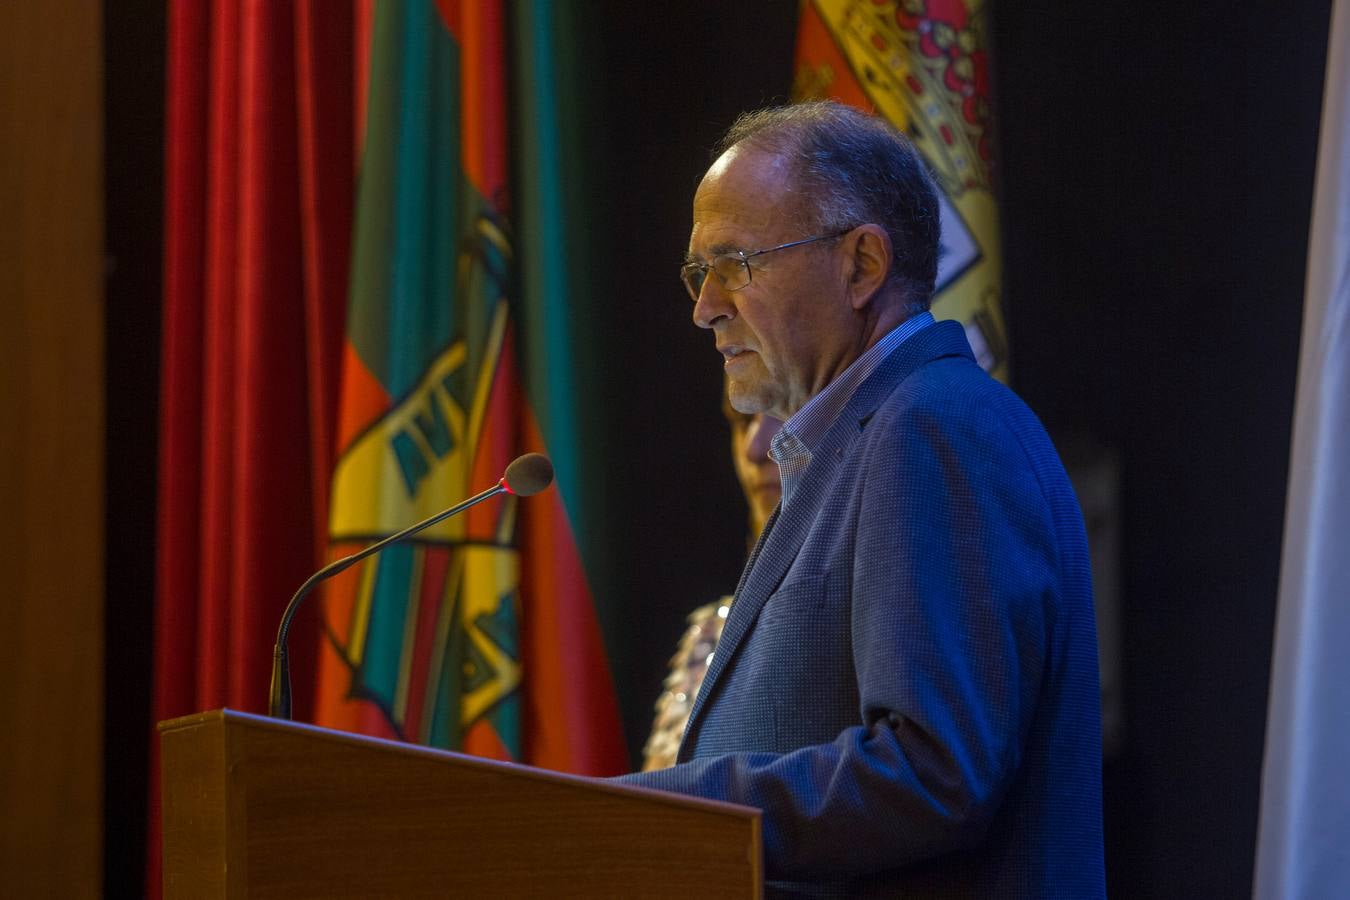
[234, 718]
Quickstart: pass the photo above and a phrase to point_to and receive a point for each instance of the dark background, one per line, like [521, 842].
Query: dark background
[1157, 175]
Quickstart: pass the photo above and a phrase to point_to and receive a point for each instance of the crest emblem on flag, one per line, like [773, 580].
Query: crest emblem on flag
[428, 629]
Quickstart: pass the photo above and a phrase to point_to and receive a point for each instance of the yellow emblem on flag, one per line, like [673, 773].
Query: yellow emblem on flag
[489, 671]
[418, 456]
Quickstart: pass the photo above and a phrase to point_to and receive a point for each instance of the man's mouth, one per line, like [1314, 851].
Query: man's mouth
[732, 352]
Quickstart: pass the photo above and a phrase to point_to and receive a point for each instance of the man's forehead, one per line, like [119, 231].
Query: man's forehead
[747, 158]
[743, 192]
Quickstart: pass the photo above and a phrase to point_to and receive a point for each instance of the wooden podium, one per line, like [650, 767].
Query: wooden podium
[259, 807]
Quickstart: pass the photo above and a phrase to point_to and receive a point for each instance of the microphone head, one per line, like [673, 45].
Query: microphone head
[528, 475]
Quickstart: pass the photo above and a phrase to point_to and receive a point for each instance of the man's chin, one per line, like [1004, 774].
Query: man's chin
[749, 397]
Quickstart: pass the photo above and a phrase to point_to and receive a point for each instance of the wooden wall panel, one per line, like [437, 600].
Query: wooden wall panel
[51, 448]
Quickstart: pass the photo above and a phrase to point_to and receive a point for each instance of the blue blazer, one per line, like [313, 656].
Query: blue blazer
[907, 681]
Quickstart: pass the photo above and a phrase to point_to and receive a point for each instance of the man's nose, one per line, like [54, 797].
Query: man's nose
[713, 303]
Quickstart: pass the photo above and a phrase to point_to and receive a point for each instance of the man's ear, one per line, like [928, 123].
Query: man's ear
[869, 257]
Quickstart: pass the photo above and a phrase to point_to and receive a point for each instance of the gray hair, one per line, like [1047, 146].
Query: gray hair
[853, 169]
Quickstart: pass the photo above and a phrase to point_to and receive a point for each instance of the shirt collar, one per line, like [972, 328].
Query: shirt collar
[792, 447]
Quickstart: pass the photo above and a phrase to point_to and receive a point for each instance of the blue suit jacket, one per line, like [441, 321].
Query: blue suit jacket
[907, 681]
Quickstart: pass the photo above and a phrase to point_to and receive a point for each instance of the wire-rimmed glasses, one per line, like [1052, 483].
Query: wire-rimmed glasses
[733, 269]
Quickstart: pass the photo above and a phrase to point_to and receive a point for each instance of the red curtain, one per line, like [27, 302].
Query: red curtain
[259, 186]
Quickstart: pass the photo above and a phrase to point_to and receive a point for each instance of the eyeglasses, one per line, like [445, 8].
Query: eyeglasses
[733, 269]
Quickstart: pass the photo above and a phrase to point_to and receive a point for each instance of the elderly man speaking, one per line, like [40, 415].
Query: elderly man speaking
[907, 680]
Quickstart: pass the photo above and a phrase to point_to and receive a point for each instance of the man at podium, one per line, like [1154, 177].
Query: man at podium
[906, 683]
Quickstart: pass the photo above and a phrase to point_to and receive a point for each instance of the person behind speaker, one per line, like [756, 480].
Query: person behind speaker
[757, 474]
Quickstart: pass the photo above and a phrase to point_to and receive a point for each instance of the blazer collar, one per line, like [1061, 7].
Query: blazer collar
[939, 340]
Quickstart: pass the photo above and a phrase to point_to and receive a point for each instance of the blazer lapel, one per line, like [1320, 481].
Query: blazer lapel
[773, 554]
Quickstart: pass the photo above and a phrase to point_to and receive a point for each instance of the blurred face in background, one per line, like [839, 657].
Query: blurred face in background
[755, 469]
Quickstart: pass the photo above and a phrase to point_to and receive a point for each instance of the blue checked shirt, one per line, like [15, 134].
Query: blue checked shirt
[792, 446]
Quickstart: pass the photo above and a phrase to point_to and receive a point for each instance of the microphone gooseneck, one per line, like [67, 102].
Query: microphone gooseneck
[525, 476]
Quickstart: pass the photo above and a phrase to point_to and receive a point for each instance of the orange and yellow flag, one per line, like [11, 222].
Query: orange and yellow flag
[924, 65]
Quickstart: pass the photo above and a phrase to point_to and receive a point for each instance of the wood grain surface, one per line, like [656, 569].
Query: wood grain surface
[260, 808]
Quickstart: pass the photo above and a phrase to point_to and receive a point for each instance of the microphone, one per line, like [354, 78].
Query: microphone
[526, 476]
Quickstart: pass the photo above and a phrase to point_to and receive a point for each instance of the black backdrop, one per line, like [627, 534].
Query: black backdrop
[1157, 178]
